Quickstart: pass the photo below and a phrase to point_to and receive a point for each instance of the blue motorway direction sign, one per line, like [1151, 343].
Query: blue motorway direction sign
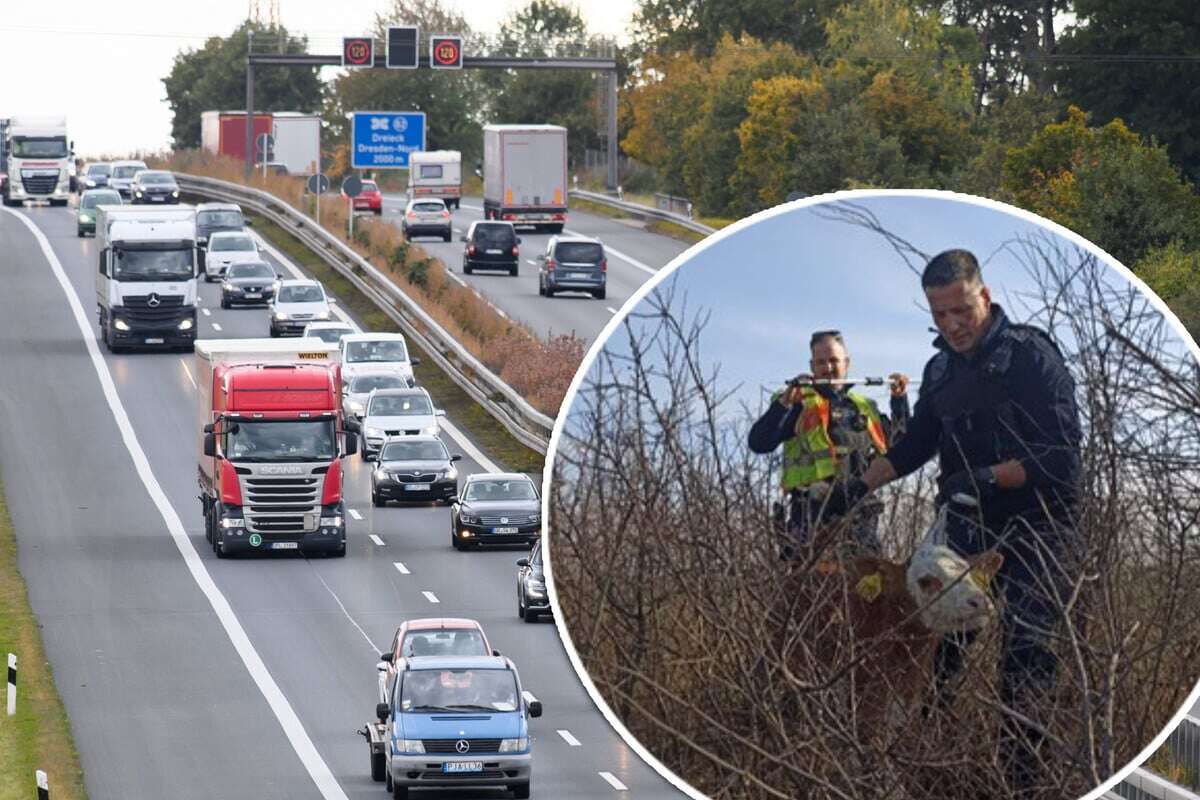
[383, 139]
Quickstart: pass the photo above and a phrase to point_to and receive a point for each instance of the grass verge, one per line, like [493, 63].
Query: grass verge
[661, 227]
[495, 441]
[39, 736]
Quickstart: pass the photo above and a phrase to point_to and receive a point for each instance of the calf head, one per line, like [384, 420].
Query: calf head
[951, 591]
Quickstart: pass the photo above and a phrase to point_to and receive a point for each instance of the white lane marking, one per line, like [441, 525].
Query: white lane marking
[338, 600]
[403, 570]
[376, 540]
[614, 782]
[473, 208]
[431, 597]
[474, 452]
[299, 275]
[611, 310]
[628, 259]
[216, 326]
[293, 729]
[206, 312]
[531, 262]
[455, 278]
[188, 372]
[354, 513]
[568, 738]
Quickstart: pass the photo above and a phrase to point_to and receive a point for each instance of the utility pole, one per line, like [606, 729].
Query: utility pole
[249, 103]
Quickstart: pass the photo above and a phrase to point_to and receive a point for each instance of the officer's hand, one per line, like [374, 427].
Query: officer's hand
[844, 496]
[793, 394]
[979, 484]
[899, 384]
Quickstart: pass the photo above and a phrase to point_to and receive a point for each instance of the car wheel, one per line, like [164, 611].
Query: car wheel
[601, 294]
[340, 552]
[79, 232]
[378, 767]
[549, 291]
[530, 615]
[521, 790]
[521, 603]
[387, 780]
[457, 545]
[401, 792]
[376, 500]
[466, 269]
[224, 303]
[274, 333]
[514, 269]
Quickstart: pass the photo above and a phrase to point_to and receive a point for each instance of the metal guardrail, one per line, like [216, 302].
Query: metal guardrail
[528, 425]
[642, 212]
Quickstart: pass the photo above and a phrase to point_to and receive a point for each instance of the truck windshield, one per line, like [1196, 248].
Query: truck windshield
[308, 440]
[39, 147]
[153, 265]
[458, 690]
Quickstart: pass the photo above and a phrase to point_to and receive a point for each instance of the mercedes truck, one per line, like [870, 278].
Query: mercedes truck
[146, 282]
[525, 175]
[273, 445]
[41, 160]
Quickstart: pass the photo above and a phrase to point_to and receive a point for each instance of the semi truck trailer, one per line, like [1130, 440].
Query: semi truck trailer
[525, 175]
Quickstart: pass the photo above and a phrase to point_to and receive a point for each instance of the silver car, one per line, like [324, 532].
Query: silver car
[226, 248]
[426, 217]
[358, 388]
[296, 304]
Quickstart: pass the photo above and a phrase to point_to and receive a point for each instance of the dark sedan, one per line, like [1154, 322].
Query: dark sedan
[248, 283]
[414, 468]
[496, 508]
[154, 186]
[532, 599]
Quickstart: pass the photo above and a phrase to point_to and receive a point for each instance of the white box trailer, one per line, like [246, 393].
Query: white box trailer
[436, 173]
[297, 142]
[525, 175]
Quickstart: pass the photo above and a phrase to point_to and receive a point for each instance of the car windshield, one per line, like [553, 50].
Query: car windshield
[93, 199]
[156, 178]
[369, 186]
[329, 335]
[579, 252]
[499, 235]
[413, 451]
[39, 147]
[386, 351]
[152, 265]
[99, 169]
[365, 383]
[466, 642]
[428, 207]
[311, 440]
[301, 294]
[405, 405]
[127, 170]
[500, 490]
[219, 219]
[458, 690]
[231, 243]
[251, 270]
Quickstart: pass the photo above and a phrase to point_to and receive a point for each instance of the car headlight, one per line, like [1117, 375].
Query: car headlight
[233, 522]
[535, 517]
[373, 432]
[227, 286]
[322, 315]
[536, 587]
[470, 519]
[139, 192]
[332, 522]
[85, 217]
[356, 407]
[120, 324]
[450, 474]
[432, 430]
[514, 745]
[175, 193]
[186, 324]
[281, 315]
[408, 746]
[91, 184]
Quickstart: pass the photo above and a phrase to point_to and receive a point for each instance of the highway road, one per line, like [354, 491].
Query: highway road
[188, 677]
[634, 255]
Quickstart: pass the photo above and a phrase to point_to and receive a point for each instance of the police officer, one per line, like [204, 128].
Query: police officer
[997, 405]
[829, 435]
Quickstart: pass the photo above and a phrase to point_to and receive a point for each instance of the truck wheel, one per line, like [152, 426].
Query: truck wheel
[58, 203]
[219, 543]
[378, 767]
[521, 790]
[558, 228]
[446, 238]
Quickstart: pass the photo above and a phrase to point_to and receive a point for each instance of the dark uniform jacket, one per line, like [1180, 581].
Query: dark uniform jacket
[1012, 399]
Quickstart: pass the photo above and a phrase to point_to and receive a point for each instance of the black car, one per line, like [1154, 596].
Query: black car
[414, 468]
[154, 186]
[213, 217]
[248, 283]
[532, 599]
[496, 508]
[491, 245]
[573, 264]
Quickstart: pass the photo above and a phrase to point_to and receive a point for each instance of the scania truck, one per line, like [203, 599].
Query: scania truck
[273, 445]
[525, 175]
[41, 160]
[146, 282]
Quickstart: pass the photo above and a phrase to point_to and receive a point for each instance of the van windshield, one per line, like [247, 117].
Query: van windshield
[127, 170]
[152, 265]
[458, 690]
[499, 235]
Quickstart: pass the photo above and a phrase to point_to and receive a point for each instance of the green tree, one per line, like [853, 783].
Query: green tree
[698, 26]
[1173, 272]
[213, 78]
[1158, 95]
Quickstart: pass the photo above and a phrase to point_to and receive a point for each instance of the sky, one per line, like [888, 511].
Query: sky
[771, 284]
[102, 63]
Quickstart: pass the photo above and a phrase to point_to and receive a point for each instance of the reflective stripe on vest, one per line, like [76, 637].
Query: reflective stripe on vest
[810, 455]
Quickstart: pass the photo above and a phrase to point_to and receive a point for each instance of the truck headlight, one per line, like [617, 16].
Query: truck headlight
[408, 746]
[514, 745]
[332, 522]
[233, 522]
[186, 324]
[120, 324]
[281, 315]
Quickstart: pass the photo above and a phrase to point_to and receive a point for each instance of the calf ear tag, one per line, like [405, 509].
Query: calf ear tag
[870, 587]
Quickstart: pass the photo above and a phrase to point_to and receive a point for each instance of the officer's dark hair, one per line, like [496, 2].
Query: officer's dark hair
[820, 336]
[950, 267]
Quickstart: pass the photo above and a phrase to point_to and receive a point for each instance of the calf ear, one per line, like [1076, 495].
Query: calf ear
[984, 566]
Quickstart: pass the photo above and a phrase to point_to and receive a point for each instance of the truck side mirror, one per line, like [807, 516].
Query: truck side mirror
[210, 444]
[382, 710]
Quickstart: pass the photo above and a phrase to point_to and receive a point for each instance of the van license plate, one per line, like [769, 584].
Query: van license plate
[462, 766]
[285, 545]
[579, 274]
[154, 341]
[504, 530]
[416, 487]
[493, 252]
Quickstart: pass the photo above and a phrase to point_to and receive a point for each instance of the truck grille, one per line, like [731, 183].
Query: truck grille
[39, 184]
[165, 309]
[448, 746]
[282, 505]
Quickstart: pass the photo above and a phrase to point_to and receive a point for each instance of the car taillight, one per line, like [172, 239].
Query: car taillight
[604, 265]
[470, 249]
[509, 216]
[515, 253]
[550, 264]
[445, 213]
[411, 215]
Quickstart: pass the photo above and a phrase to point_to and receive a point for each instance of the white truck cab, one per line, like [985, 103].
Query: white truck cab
[41, 160]
[146, 280]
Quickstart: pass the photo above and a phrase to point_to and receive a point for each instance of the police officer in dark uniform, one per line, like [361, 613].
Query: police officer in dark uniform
[829, 434]
[997, 405]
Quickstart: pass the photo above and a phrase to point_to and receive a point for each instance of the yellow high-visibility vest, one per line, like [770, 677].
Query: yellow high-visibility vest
[810, 456]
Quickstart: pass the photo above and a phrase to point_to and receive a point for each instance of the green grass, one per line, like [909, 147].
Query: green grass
[491, 437]
[661, 227]
[39, 736]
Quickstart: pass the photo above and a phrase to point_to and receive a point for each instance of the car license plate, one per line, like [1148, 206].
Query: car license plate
[493, 252]
[252, 293]
[462, 766]
[157, 199]
[416, 487]
[154, 341]
[285, 545]
[504, 530]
